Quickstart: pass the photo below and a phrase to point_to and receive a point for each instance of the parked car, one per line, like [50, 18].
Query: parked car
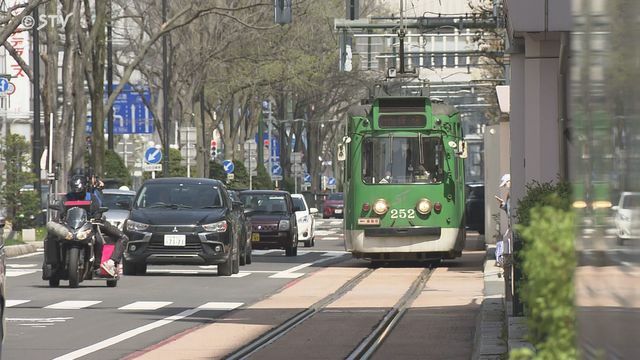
[181, 221]
[245, 248]
[306, 221]
[333, 206]
[627, 216]
[119, 203]
[474, 207]
[273, 220]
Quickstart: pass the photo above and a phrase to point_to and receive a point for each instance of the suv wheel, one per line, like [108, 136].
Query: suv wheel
[226, 269]
[292, 250]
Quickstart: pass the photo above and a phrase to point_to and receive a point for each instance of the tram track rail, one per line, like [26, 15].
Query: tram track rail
[279, 331]
[371, 343]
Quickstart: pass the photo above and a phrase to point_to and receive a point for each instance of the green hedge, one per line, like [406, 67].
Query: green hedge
[548, 263]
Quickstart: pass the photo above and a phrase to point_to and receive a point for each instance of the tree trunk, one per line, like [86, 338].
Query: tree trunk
[66, 125]
[80, 102]
[97, 101]
[50, 93]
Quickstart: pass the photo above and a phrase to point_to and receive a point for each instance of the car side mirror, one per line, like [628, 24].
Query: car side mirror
[313, 211]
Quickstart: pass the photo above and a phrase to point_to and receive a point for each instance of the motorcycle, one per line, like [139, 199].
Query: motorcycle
[70, 250]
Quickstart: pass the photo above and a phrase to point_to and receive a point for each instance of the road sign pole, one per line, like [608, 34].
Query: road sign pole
[188, 160]
[250, 177]
[295, 183]
[153, 174]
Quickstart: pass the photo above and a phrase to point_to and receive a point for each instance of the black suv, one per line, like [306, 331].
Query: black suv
[273, 220]
[183, 221]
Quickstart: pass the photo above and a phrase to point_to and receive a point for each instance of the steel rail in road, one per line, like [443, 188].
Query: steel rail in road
[279, 331]
[372, 342]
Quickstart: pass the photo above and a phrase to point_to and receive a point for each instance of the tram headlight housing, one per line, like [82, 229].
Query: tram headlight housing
[424, 206]
[380, 206]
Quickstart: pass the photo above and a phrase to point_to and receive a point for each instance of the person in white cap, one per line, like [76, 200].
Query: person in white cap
[505, 182]
[503, 246]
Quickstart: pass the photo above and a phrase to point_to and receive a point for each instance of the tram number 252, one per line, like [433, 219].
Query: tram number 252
[402, 213]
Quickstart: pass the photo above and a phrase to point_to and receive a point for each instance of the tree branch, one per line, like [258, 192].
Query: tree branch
[14, 54]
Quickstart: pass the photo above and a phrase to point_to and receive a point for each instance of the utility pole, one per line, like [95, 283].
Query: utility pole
[110, 139]
[165, 95]
[37, 143]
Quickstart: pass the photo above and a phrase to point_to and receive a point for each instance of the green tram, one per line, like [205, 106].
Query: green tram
[404, 180]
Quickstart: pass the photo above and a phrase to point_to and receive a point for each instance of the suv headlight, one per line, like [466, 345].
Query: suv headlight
[284, 225]
[136, 226]
[304, 219]
[220, 226]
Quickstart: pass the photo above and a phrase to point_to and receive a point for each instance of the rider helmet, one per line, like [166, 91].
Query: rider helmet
[78, 184]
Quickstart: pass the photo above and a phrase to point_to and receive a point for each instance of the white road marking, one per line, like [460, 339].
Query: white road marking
[179, 271]
[12, 303]
[324, 232]
[241, 274]
[38, 252]
[264, 252]
[38, 322]
[72, 305]
[142, 329]
[145, 305]
[20, 272]
[18, 266]
[291, 273]
[331, 238]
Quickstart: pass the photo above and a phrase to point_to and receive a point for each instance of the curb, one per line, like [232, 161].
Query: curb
[22, 249]
[490, 342]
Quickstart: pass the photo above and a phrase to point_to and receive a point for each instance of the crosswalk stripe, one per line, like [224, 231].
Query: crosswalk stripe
[72, 305]
[11, 303]
[216, 305]
[145, 305]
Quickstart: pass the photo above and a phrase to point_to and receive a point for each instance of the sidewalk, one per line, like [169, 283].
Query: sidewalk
[497, 332]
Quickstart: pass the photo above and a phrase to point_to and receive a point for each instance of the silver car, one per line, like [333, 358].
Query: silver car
[119, 203]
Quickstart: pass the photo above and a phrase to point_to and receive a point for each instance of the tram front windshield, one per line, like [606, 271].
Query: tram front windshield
[402, 160]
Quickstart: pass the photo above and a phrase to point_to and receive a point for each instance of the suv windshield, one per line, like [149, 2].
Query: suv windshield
[298, 203]
[179, 195]
[264, 203]
[116, 201]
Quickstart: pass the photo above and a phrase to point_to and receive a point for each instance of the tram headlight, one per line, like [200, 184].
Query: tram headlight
[579, 204]
[380, 207]
[424, 206]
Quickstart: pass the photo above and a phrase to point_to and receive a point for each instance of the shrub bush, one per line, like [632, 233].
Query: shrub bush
[548, 262]
[546, 226]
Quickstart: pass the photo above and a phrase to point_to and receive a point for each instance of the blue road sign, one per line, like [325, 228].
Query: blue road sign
[276, 169]
[4, 84]
[228, 166]
[152, 155]
[130, 114]
[332, 181]
[307, 178]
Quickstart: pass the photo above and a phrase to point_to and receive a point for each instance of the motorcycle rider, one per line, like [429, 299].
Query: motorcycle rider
[79, 189]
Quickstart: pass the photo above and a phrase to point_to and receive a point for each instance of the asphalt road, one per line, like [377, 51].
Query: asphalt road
[106, 323]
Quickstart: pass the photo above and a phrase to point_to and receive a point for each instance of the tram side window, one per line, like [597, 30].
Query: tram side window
[402, 160]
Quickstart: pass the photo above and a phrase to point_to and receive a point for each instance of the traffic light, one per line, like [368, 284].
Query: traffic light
[214, 149]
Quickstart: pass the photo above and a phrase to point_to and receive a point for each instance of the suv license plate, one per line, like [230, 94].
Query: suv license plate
[175, 240]
[338, 211]
[255, 236]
